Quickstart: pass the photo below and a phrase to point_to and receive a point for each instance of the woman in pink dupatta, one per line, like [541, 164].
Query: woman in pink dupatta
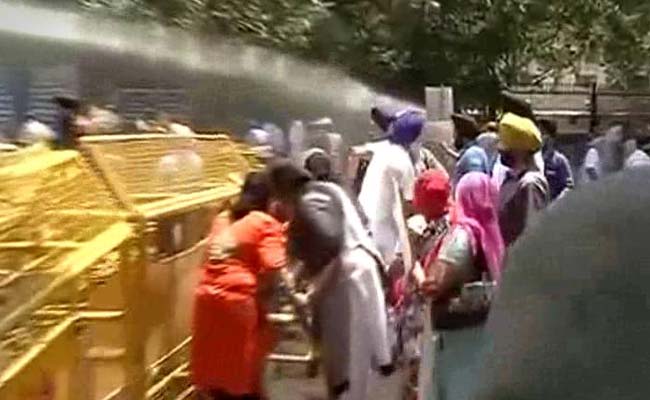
[473, 246]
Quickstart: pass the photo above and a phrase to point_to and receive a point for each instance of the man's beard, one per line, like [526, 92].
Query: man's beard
[459, 143]
[507, 159]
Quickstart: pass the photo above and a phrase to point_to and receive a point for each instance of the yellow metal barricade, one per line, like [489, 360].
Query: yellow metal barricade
[65, 238]
[99, 256]
[175, 184]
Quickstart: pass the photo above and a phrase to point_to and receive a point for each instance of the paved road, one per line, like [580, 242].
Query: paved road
[287, 382]
[290, 382]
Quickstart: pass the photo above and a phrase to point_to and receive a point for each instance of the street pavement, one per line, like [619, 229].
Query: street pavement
[290, 382]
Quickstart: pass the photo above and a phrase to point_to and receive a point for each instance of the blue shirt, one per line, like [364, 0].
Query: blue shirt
[557, 170]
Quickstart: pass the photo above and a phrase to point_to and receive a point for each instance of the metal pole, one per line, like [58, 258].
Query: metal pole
[134, 259]
[593, 121]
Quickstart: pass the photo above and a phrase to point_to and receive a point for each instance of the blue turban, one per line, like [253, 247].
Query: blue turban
[474, 159]
[406, 128]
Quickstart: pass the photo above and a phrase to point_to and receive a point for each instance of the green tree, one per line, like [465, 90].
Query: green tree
[477, 46]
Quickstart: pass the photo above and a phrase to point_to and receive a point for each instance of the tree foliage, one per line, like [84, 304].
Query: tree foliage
[477, 46]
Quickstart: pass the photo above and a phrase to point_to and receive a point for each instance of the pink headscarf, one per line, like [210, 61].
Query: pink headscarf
[476, 199]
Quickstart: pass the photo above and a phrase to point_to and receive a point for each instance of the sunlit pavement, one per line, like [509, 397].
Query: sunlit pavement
[290, 382]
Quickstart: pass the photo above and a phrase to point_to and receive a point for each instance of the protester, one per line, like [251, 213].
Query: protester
[67, 131]
[500, 171]
[257, 136]
[473, 245]
[341, 263]
[557, 168]
[34, 131]
[634, 157]
[323, 136]
[266, 138]
[102, 120]
[472, 157]
[432, 201]
[141, 125]
[359, 157]
[512, 104]
[525, 192]
[319, 164]
[179, 127]
[591, 167]
[231, 337]
[605, 155]
[472, 248]
[489, 141]
[573, 323]
[388, 183]
[422, 157]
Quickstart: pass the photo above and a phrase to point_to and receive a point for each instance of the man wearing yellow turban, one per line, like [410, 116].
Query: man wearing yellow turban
[525, 190]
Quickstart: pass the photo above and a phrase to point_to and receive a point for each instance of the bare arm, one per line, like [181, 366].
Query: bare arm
[453, 266]
[438, 165]
[451, 151]
[442, 281]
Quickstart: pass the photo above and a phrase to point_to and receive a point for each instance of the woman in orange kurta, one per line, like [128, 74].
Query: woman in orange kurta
[231, 336]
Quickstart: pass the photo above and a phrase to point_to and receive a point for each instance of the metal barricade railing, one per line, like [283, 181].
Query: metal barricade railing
[144, 163]
[99, 257]
[175, 184]
[64, 239]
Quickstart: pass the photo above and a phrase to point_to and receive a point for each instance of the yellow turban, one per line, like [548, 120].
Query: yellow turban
[518, 133]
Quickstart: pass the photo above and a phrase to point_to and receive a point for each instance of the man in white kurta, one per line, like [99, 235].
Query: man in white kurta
[388, 184]
[346, 293]
[391, 166]
[352, 310]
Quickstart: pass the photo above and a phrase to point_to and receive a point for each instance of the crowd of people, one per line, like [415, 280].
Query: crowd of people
[75, 118]
[371, 257]
[377, 256]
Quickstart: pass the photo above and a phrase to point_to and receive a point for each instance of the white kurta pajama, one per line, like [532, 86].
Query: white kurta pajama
[351, 311]
[390, 166]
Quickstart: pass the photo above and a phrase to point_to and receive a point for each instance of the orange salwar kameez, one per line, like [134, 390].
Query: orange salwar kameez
[231, 336]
